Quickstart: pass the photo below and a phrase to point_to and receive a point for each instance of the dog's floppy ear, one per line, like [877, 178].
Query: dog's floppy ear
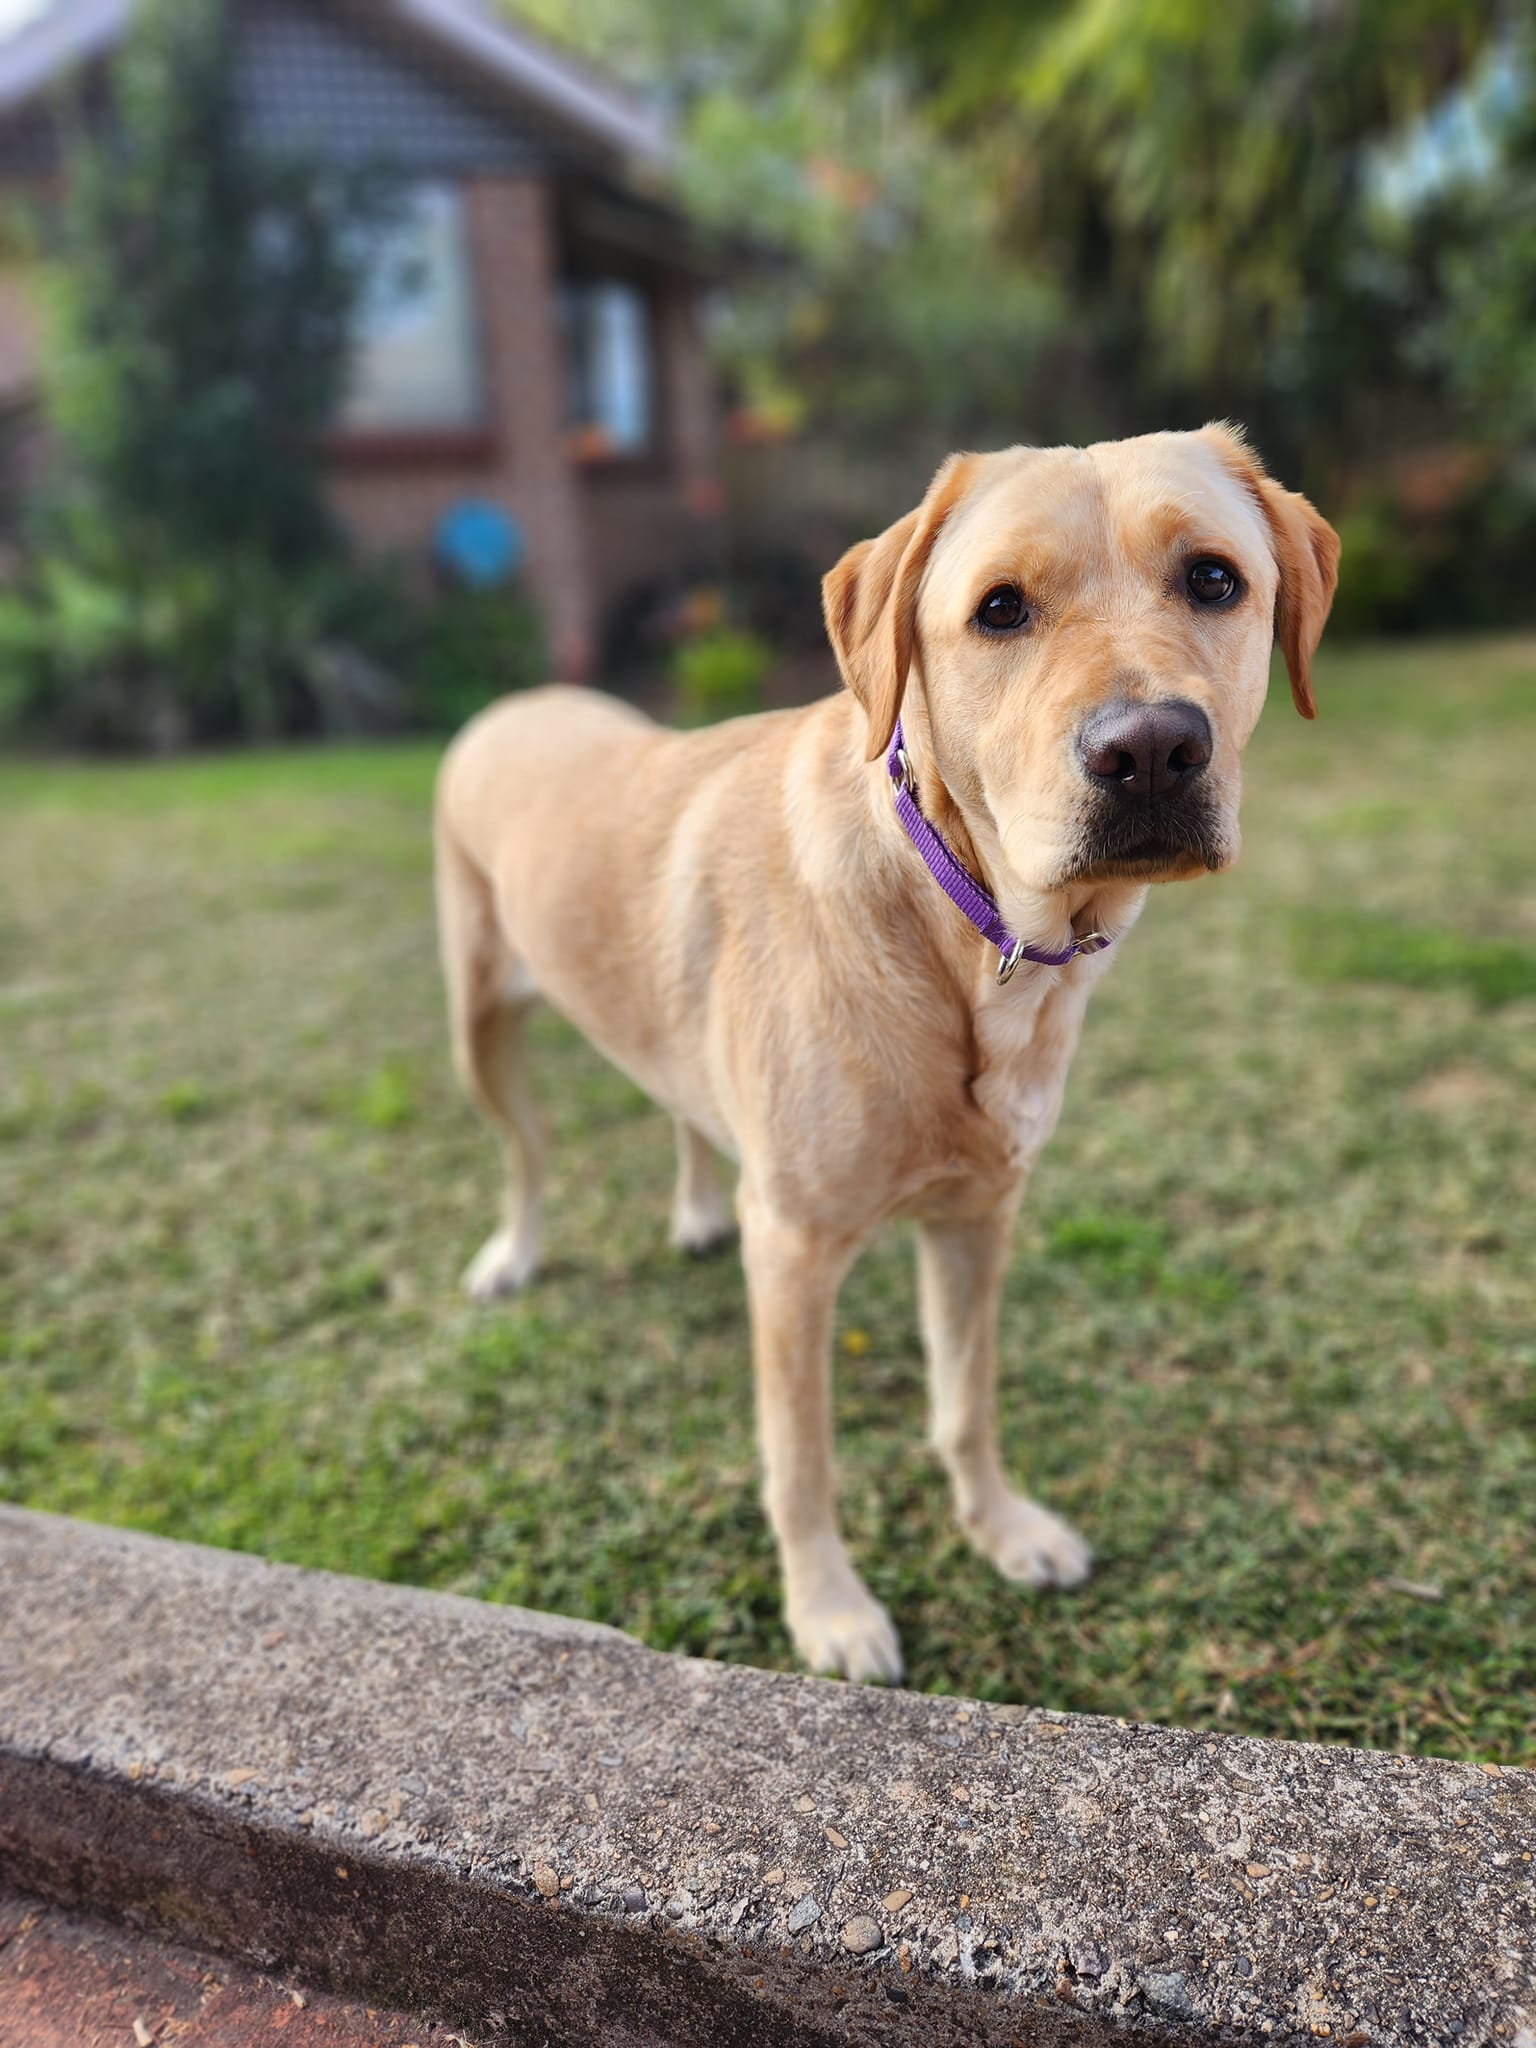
[1307, 554]
[1307, 549]
[870, 602]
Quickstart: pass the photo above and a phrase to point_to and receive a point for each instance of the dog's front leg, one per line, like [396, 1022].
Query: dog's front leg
[960, 1270]
[793, 1276]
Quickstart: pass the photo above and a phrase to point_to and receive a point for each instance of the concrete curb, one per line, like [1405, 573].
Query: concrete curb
[541, 1831]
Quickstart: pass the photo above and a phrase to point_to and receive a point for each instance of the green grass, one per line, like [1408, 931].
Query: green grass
[1365, 945]
[1269, 1336]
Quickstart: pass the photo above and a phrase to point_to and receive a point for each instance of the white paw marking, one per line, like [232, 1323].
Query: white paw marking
[502, 1266]
[701, 1230]
[845, 1632]
[1030, 1544]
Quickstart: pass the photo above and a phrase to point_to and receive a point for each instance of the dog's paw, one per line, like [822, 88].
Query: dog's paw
[702, 1223]
[503, 1265]
[844, 1632]
[1028, 1543]
[701, 1238]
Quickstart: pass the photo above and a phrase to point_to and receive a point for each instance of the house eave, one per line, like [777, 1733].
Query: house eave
[56, 43]
[554, 84]
[78, 32]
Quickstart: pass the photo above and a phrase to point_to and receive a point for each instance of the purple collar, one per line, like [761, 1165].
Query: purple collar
[961, 886]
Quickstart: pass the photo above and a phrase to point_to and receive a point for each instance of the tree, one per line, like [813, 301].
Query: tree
[1066, 219]
[203, 295]
[1476, 238]
[1198, 177]
[876, 283]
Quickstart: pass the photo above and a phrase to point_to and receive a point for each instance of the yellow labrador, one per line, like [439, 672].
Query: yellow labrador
[1053, 666]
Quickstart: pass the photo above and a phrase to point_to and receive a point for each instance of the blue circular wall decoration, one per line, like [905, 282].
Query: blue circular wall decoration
[479, 543]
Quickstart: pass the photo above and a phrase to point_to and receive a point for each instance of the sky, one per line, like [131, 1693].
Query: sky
[16, 14]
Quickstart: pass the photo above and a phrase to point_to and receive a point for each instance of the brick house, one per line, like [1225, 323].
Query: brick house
[548, 356]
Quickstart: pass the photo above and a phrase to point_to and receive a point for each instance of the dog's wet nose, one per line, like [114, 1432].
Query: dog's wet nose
[1140, 752]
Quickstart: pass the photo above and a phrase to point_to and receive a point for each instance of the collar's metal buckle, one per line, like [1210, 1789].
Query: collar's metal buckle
[1092, 942]
[1008, 966]
[903, 785]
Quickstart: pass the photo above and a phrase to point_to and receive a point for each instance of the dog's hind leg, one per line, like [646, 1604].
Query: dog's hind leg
[496, 1056]
[960, 1269]
[701, 1212]
[490, 998]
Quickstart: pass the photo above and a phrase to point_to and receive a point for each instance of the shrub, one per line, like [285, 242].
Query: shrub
[108, 646]
[472, 646]
[720, 675]
[1455, 563]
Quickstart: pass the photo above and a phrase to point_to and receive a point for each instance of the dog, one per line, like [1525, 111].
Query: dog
[850, 946]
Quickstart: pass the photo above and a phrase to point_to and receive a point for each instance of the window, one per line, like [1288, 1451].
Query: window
[610, 403]
[417, 365]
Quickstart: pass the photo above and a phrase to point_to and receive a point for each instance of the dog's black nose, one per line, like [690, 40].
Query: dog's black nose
[1140, 752]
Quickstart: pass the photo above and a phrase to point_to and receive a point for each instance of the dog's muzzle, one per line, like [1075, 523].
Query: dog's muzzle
[1148, 809]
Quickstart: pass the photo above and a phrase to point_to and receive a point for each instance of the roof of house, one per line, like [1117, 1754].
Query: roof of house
[505, 60]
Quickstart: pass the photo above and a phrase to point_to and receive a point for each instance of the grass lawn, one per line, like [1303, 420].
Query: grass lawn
[1269, 1335]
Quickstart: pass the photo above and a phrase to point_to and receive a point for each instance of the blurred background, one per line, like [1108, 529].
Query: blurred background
[359, 359]
[362, 359]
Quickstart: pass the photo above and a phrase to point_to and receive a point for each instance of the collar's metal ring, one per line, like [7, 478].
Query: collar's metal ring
[903, 784]
[1088, 944]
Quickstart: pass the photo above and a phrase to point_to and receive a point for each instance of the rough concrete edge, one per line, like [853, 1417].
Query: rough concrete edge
[239, 1887]
[90, 1831]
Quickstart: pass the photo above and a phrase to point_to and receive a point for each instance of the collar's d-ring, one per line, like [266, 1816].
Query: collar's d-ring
[903, 784]
[1088, 944]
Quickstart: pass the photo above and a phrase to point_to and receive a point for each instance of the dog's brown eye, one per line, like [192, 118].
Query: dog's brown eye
[1002, 609]
[1209, 581]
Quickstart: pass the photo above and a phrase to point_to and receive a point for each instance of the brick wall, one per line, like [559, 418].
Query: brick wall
[659, 517]
[594, 533]
[392, 496]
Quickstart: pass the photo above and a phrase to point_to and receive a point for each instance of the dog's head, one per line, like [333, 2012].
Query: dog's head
[1085, 634]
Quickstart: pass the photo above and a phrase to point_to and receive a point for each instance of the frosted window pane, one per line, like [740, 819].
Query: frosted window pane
[417, 362]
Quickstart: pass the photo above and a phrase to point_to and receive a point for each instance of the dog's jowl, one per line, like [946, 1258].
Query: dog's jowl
[850, 946]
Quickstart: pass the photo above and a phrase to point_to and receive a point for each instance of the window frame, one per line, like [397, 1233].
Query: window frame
[651, 453]
[472, 439]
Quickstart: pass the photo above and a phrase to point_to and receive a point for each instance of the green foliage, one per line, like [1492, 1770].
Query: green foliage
[1456, 561]
[183, 579]
[471, 646]
[1381, 571]
[110, 641]
[1199, 178]
[1477, 241]
[203, 302]
[1065, 219]
[881, 295]
[720, 674]
[904, 295]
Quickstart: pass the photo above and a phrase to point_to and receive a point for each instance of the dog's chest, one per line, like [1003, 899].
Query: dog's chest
[1026, 1038]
